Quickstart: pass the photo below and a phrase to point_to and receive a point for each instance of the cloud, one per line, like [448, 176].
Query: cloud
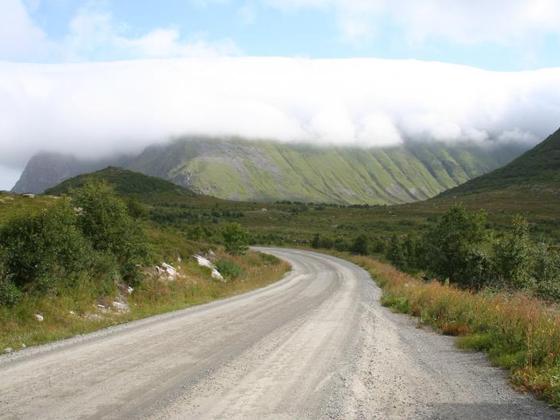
[94, 109]
[464, 22]
[19, 36]
[94, 34]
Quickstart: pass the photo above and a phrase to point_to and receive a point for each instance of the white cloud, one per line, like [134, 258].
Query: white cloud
[94, 34]
[97, 109]
[20, 38]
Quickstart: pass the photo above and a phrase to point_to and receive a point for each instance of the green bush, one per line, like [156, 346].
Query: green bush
[229, 269]
[44, 249]
[360, 245]
[236, 239]
[104, 220]
[513, 256]
[9, 293]
[546, 271]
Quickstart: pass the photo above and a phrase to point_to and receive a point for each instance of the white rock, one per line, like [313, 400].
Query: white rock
[23, 345]
[72, 313]
[216, 275]
[8, 350]
[39, 317]
[203, 262]
[121, 306]
[129, 290]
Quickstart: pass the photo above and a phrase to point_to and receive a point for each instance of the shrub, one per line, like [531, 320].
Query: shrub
[513, 256]
[360, 245]
[395, 253]
[105, 221]
[236, 239]
[46, 248]
[546, 270]
[340, 245]
[9, 293]
[316, 241]
[229, 269]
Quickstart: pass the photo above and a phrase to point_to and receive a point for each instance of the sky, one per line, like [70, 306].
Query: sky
[95, 77]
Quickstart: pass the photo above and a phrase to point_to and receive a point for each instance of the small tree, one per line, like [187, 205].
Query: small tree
[453, 243]
[360, 245]
[513, 256]
[236, 239]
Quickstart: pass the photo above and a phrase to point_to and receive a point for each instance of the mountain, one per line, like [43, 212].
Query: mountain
[536, 169]
[45, 170]
[238, 169]
[124, 181]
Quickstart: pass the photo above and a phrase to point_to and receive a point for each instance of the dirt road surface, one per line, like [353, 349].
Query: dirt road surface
[317, 344]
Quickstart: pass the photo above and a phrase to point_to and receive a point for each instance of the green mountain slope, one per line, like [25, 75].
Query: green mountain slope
[237, 169]
[267, 171]
[537, 169]
[124, 181]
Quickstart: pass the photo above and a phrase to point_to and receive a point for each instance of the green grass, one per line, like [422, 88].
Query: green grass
[75, 311]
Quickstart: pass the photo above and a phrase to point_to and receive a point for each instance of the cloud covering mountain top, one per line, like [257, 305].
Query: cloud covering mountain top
[94, 109]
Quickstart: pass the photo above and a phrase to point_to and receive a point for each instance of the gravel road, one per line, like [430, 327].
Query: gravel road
[317, 344]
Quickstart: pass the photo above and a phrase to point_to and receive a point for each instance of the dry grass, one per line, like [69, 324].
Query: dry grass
[75, 311]
[519, 332]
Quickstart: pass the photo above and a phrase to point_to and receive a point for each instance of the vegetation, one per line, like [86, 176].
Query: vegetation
[236, 239]
[460, 248]
[67, 264]
[77, 311]
[519, 333]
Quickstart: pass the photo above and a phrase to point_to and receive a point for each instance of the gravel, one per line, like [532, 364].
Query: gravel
[317, 344]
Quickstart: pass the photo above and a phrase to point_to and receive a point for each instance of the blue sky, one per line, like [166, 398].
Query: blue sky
[497, 34]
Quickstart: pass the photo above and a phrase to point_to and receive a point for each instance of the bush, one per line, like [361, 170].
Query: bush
[229, 269]
[395, 253]
[236, 239]
[316, 241]
[546, 270]
[9, 293]
[360, 245]
[104, 220]
[44, 249]
[513, 257]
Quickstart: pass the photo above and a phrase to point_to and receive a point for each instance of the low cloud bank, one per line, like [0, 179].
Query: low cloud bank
[95, 109]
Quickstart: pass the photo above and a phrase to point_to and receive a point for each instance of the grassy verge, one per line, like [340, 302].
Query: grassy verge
[76, 311]
[519, 333]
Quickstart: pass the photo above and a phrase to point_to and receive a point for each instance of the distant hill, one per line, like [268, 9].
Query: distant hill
[124, 181]
[238, 169]
[536, 169]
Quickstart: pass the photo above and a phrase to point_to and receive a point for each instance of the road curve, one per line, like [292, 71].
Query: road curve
[317, 344]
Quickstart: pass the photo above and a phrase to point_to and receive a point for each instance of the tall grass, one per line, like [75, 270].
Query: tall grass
[75, 311]
[519, 332]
